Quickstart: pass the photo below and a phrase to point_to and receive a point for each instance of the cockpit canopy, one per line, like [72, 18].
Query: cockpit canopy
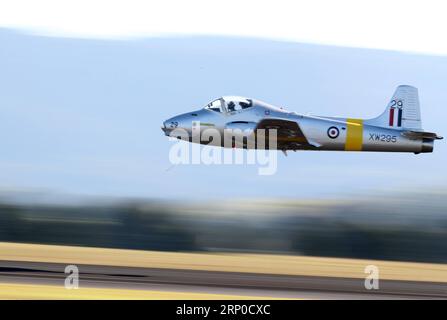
[230, 104]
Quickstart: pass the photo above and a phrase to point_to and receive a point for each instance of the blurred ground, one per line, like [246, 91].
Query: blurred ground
[398, 226]
[58, 292]
[38, 272]
[222, 262]
[244, 248]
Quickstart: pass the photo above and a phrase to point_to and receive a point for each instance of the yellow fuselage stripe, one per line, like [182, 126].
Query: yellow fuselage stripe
[354, 136]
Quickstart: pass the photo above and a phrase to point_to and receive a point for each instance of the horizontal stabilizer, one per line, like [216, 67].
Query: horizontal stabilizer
[421, 135]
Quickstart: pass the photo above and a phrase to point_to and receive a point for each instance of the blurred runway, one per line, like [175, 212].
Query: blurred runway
[39, 280]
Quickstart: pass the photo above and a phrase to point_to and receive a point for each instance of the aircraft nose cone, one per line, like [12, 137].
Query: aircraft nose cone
[181, 122]
[168, 126]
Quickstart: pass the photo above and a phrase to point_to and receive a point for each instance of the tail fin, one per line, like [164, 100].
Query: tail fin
[402, 112]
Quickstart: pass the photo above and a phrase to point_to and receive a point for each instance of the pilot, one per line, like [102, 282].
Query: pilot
[245, 105]
[231, 106]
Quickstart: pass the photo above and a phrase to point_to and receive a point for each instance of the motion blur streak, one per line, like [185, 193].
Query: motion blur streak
[214, 249]
[225, 262]
[39, 292]
[394, 226]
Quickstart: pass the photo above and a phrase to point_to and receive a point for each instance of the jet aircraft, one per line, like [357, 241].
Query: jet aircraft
[397, 129]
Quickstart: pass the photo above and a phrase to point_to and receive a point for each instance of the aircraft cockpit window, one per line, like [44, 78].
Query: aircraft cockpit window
[216, 105]
[246, 104]
[238, 103]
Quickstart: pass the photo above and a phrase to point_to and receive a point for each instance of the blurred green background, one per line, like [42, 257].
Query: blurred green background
[402, 226]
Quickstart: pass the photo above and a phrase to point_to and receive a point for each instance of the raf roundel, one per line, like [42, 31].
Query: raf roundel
[333, 132]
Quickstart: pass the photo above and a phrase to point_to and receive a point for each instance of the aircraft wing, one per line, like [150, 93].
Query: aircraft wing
[289, 134]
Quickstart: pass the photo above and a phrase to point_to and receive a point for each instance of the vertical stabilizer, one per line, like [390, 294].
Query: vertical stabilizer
[403, 111]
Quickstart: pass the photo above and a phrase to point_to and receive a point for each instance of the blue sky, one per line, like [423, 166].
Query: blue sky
[83, 115]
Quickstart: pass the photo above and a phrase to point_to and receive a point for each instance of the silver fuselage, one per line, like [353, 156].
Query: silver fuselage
[348, 135]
